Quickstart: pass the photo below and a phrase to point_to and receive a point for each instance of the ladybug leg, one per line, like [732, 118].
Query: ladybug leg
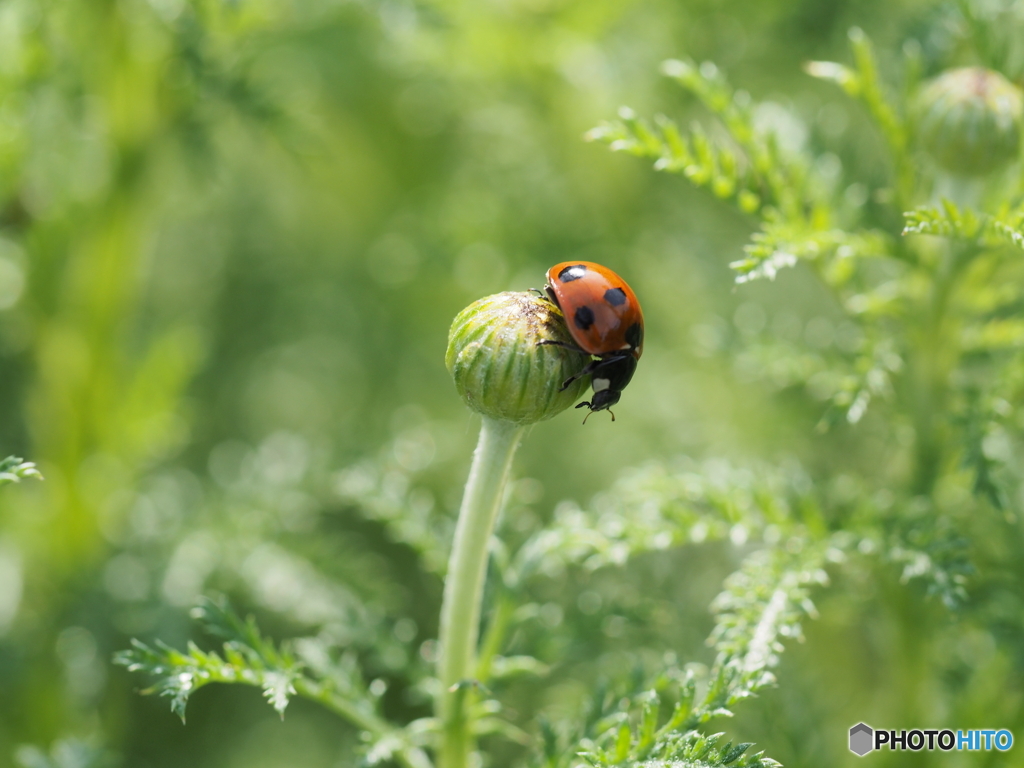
[595, 368]
[590, 368]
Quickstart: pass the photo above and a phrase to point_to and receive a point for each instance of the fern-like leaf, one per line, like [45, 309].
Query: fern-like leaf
[862, 82]
[249, 658]
[951, 221]
[383, 493]
[763, 602]
[180, 674]
[706, 161]
[945, 220]
[13, 470]
[661, 506]
[246, 658]
[688, 750]
[745, 165]
[782, 242]
[65, 753]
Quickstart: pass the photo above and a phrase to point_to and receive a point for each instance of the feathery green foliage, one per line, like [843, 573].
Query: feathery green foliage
[66, 753]
[658, 507]
[984, 230]
[305, 669]
[13, 470]
[230, 237]
[763, 602]
[248, 658]
[875, 275]
[905, 301]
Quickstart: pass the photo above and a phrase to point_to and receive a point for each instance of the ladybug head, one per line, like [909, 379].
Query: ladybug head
[602, 401]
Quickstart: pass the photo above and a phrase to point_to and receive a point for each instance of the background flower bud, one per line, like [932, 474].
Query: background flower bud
[498, 367]
[969, 120]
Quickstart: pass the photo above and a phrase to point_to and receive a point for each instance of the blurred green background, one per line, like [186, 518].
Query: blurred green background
[232, 237]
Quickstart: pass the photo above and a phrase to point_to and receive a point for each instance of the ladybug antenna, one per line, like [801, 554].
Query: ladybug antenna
[612, 413]
[585, 404]
[588, 416]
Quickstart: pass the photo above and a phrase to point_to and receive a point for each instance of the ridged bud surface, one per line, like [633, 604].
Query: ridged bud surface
[969, 120]
[498, 367]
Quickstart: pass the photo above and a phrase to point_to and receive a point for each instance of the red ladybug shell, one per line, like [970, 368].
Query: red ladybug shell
[601, 310]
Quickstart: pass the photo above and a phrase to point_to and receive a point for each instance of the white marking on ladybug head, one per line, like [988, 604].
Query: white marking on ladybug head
[600, 385]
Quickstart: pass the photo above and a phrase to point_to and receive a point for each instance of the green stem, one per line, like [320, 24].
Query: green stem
[494, 638]
[464, 585]
[406, 755]
[341, 706]
[935, 358]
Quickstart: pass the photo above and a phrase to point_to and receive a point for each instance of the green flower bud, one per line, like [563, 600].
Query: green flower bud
[498, 365]
[969, 120]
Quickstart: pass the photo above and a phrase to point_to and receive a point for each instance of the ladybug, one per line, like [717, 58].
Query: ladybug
[605, 320]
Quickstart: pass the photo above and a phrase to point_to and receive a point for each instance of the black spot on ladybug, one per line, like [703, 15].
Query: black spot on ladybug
[634, 335]
[615, 296]
[584, 317]
[572, 272]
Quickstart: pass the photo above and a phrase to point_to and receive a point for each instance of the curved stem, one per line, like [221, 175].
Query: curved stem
[406, 755]
[494, 637]
[464, 585]
[935, 358]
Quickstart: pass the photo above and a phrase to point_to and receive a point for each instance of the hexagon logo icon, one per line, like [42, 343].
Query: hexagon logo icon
[862, 739]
